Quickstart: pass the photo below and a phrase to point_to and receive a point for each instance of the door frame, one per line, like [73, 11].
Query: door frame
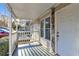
[58, 7]
[43, 19]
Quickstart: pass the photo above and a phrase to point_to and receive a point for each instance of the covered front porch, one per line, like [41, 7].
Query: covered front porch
[32, 30]
[40, 29]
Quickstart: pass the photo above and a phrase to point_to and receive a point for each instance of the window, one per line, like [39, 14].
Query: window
[45, 23]
[47, 28]
[42, 28]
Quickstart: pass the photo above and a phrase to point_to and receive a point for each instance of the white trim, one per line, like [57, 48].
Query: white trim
[56, 37]
[51, 33]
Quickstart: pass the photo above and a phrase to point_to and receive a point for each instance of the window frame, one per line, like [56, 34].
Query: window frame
[44, 33]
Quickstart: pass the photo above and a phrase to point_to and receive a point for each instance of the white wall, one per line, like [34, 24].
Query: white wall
[67, 20]
[35, 32]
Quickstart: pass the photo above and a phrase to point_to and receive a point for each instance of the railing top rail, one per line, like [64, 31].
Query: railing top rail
[24, 31]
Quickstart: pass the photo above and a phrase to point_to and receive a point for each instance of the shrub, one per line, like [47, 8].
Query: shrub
[4, 48]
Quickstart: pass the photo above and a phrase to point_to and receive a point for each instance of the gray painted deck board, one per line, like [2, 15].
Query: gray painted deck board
[32, 50]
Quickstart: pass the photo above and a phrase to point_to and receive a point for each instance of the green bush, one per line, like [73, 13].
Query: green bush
[14, 25]
[4, 48]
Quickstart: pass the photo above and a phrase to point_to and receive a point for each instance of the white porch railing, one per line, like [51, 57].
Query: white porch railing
[24, 35]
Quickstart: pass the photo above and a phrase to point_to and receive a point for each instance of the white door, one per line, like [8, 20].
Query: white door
[66, 37]
[66, 20]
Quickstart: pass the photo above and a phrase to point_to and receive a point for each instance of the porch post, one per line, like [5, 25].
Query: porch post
[10, 28]
[17, 30]
[10, 36]
[52, 31]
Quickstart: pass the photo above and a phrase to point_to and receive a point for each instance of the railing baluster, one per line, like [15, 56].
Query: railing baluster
[23, 35]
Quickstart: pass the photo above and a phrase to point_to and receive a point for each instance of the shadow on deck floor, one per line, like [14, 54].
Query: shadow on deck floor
[32, 49]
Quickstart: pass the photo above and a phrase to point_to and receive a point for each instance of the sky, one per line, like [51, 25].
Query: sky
[4, 10]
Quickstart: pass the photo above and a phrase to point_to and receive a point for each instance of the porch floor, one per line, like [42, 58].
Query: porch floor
[32, 49]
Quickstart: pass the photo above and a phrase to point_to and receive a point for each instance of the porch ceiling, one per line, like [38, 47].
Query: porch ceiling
[30, 10]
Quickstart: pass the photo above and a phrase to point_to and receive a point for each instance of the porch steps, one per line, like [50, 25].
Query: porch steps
[23, 41]
[27, 41]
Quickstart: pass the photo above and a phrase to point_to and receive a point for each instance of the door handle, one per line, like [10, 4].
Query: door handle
[57, 34]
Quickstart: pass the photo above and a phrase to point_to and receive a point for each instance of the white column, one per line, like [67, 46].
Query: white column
[51, 34]
[17, 30]
[10, 36]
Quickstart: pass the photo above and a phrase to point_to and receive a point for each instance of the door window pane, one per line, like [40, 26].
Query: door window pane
[47, 22]
[47, 28]
[42, 33]
[47, 34]
[42, 28]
